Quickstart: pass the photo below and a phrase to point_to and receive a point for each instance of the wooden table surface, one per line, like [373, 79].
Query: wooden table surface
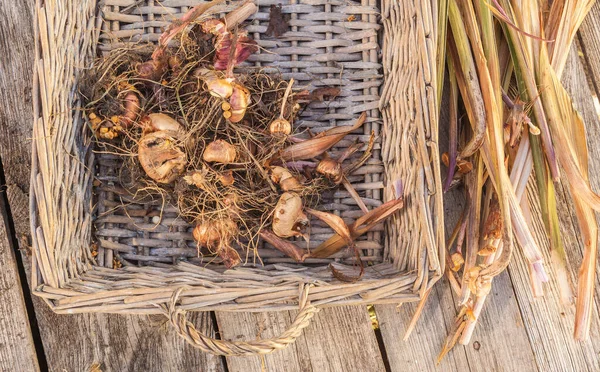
[515, 333]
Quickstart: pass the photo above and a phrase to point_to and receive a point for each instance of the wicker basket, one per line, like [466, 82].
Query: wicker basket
[99, 250]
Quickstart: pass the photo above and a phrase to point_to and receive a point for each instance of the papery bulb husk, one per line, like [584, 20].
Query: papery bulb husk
[320, 143]
[197, 178]
[216, 235]
[289, 219]
[280, 127]
[226, 178]
[331, 169]
[212, 233]
[457, 261]
[161, 157]
[285, 179]
[239, 101]
[159, 121]
[224, 59]
[478, 284]
[220, 88]
[214, 26]
[219, 151]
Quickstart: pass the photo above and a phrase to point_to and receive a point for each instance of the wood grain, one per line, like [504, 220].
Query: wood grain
[121, 343]
[549, 323]
[16, 115]
[17, 351]
[338, 339]
[589, 37]
[420, 351]
[72, 342]
[499, 343]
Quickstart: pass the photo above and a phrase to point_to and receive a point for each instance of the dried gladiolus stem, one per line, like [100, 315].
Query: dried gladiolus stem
[460, 51]
[288, 248]
[281, 125]
[475, 188]
[288, 90]
[520, 59]
[348, 186]
[178, 26]
[452, 127]
[239, 15]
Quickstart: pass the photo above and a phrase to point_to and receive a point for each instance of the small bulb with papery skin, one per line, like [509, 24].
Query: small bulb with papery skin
[239, 101]
[226, 178]
[217, 236]
[285, 179]
[220, 88]
[209, 234]
[280, 126]
[331, 169]
[219, 151]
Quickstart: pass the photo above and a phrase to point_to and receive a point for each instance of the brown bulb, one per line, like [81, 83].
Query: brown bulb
[219, 151]
[285, 179]
[160, 121]
[331, 169]
[280, 126]
[161, 157]
[211, 234]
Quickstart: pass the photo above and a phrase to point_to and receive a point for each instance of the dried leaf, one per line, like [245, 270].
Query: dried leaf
[320, 143]
[335, 222]
[342, 276]
[358, 228]
[288, 248]
[324, 94]
[278, 22]
[365, 156]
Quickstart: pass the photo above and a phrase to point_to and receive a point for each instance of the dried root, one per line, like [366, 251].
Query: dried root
[220, 144]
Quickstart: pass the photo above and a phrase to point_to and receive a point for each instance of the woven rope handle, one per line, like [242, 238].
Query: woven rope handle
[186, 329]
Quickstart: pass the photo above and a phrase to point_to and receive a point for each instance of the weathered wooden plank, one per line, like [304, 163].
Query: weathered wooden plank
[17, 351]
[338, 339]
[121, 343]
[422, 347]
[549, 323]
[73, 343]
[499, 343]
[16, 343]
[589, 36]
[420, 351]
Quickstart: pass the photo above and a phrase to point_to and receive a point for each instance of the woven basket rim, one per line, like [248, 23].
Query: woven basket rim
[140, 290]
